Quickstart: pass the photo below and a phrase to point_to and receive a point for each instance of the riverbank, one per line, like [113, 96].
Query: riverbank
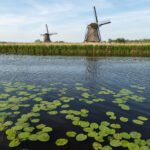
[77, 49]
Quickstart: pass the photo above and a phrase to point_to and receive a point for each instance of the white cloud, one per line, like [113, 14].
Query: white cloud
[70, 19]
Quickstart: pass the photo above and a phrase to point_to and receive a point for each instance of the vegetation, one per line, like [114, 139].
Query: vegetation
[78, 50]
[122, 40]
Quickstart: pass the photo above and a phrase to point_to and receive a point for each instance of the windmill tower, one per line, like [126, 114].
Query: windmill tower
[93, 30]
[47, 35]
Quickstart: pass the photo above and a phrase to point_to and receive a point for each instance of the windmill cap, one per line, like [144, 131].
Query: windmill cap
[93, 25]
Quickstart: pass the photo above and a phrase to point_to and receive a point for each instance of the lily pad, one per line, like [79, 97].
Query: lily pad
[97, 146]
[14, 143]
[135, 135]
[139, 122]
[71, 134]
[142, 118]
[61, 142]
[47, 129]
[81, 137]
[33, 137]
[40, 126]
[35, 120]
[123, 119]
[44, 137]
[133, 146]
[115, 143]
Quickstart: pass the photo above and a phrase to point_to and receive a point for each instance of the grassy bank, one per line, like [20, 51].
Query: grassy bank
[78, 50]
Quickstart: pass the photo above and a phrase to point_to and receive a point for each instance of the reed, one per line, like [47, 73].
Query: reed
[78, 50]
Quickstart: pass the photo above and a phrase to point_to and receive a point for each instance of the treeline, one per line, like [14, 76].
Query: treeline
[77, 50]
[122, 40]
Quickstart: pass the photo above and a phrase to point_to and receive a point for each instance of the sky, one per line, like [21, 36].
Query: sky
[24, 20]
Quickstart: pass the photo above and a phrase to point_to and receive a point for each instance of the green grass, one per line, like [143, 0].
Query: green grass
[78, 50]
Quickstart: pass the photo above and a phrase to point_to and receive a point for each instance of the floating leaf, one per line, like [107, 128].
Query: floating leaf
[47, 129]
[33, 137]
[84, 124]
[14, 143]
[116, 126]
[110, 113]
[133, 146]
[125, 135]
[107, 148]
[94, 125]
[44, 137]
[23, 135]
[123, 119]
[115, 143]
[61, 142]
[71, 134]
[28, 129]
[139, 122]
[81, 137]
[52, 112]
[35, 120]
[135, 135]
[40, 126]
[97, 146]
[142, 118]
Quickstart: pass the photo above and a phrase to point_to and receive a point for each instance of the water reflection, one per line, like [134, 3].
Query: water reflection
[92, 68]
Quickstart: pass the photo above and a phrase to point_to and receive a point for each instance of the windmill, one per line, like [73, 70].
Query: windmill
[47, 35]
[93, 30]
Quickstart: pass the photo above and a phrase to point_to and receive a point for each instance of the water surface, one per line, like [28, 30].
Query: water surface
[66, 77]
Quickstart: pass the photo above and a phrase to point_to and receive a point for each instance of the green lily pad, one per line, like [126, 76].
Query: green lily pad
[35, 120]
[44, 137]
[97, 146]
[47, 129]
[28, 129]
[133, 146]
[123, 119]
[94, 125]
[116, 126]
[14, 143]
[33, 137]
[139, 122]
[105, 123]
[124, 107]
[84, 124]
[81, 137]
[125, 135]
[61, 142]
[71, 134]
[40, 126]
[144, 148]
[135, 135]
[124, 143]
[142, 118]
[110, 113]
[52, 112]
[115, 143]
[148, 142]
[23, 135]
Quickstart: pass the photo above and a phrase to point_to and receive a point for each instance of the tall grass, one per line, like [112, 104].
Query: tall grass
[78, 50]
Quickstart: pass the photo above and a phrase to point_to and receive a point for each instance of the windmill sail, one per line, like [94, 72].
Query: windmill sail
[47, 29]
[96, 18]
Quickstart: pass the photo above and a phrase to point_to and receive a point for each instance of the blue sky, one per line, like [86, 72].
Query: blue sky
[24, 20]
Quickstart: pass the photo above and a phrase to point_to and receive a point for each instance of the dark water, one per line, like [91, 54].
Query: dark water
[94, 73]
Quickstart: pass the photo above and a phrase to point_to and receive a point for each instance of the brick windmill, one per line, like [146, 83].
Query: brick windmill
[47, 35]
[93, 30]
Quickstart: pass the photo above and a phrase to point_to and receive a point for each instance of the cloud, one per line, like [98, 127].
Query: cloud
[69, 18]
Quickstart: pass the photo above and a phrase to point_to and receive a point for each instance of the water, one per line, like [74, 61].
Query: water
[93, 73]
